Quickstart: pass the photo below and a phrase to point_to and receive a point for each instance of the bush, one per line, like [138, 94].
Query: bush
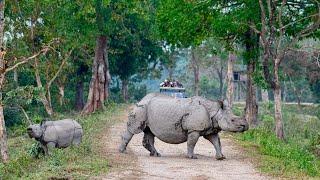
[35, 150]
[315, 144]
[13, 117]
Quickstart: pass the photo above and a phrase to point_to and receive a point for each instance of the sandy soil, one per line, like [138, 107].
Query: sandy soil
[137, 164]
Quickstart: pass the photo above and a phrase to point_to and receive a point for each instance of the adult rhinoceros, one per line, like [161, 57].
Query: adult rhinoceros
[176, 121]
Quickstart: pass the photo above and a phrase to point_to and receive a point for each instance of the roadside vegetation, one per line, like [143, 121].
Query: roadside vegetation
[75, 162]
[296, 157]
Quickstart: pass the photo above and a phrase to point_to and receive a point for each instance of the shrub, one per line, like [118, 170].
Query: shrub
[315, 144]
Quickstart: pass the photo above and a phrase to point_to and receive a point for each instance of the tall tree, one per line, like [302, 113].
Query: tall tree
[251, 42]
[196, 71]
[132, 45]
[230, 87]
[99, 84]
[3, 136]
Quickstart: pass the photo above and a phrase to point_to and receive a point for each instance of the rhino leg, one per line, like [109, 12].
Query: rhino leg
[215, 140]
[191, 143]
[48, 148]
[148, 142]
[45, 149]
[125, 139]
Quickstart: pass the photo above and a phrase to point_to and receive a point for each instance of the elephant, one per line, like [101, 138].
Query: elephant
[56, 134]
[176, 121]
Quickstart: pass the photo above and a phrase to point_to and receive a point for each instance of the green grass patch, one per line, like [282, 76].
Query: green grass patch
[297, 156]
[278, 157]
[79, 162]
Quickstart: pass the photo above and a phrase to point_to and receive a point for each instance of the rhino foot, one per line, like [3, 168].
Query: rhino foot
[220, 157]
[192, 157]
[121, 150]
[156, 154]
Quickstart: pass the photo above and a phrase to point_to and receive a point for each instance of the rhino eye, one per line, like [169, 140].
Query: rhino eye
[232, 120]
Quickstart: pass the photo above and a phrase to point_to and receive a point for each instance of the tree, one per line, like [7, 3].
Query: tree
[196, 74]
[234, 20]
[99, 84]
[283, 23]
[229, 95]
[3, 136]
[6, 67]
[177, 28]
[170, 60]
[251, 41]
[133, 47]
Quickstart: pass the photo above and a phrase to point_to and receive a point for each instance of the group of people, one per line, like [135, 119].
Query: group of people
[168, 83]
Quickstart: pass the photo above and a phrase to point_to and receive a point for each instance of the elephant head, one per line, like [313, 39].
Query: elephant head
[227, 121]
[35, 131]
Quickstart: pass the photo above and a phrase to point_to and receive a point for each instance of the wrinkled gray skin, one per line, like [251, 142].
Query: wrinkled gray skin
[56, 134]
[176, 121]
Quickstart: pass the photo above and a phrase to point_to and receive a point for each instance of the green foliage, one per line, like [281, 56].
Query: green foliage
[23, 95]
[35, 150]
[13, 117]
[315, 90]
[183, 23]
[209, 87]
[137, 92]
[315, 144]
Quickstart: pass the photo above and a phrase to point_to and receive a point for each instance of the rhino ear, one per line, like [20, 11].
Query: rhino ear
[43, 124]
[220, 103]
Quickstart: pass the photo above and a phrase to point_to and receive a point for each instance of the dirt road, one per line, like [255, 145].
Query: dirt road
[137, 164]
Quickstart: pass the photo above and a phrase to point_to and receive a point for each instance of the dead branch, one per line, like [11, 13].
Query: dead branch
[25, 60]
[25, 114]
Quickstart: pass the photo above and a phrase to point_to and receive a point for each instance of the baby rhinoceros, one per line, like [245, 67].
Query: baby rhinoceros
[176, 121]
[56, 134]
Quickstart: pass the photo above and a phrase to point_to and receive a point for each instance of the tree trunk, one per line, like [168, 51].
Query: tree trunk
[15, 77]
[264, 95]
[220, 75]
[3, 137]
[45, 101]
[277, 102]
[251, 109]
[298, 97]
[61, 94]
[99, 84]
[195, 68]
[79, 101]
[230, 88]
[170, 70]
[3, 133]
[284, 96]
[124, 90]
